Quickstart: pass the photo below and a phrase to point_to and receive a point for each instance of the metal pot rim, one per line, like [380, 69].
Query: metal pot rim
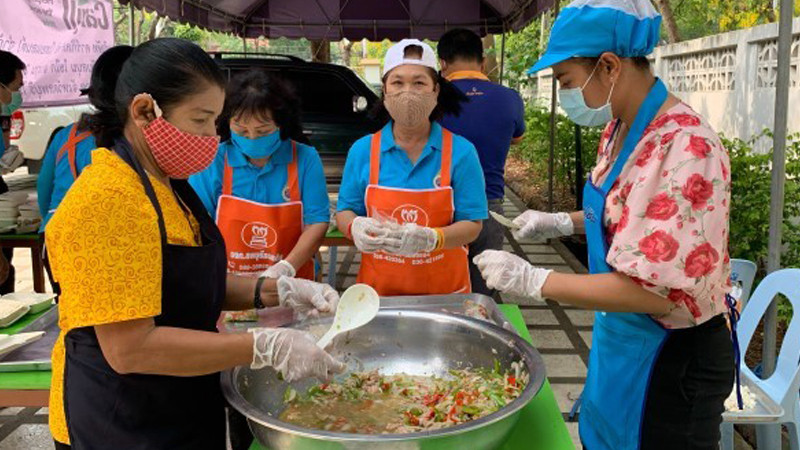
[533, 364]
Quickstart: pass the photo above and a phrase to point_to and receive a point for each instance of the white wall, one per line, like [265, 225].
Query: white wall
[728, 78]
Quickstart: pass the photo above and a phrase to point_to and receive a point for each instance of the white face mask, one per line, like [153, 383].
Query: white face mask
[574, 104]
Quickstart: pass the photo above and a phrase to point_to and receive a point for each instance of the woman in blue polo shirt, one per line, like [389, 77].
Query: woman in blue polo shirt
[266, 189]
[412, 195]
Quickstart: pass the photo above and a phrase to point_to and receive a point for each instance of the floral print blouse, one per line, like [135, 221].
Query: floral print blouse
[666, 217]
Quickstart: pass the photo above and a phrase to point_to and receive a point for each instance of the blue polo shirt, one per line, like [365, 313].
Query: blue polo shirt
[266, 184]
[397, 171]
[492, 117]
[55, 177]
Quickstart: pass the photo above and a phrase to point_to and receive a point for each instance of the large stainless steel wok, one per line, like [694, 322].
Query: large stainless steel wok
[398, 340]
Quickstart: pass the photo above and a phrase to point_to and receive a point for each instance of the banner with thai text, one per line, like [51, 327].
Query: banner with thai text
[59, 41]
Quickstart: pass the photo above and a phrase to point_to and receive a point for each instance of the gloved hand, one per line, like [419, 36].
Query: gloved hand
[410, 239]
[511, 274]
[368, 234]
[282, 268]
[306, 298]
[541, 225]
[293, 353]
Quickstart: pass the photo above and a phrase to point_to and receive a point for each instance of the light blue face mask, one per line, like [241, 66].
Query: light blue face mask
[16, 101]
[260, 147]
[574, 104]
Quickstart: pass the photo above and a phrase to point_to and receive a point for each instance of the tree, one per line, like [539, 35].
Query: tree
[157, 25]
[491, 66]
[321, 51]
[190, 33]
[346, 46]
[523, 49]
[669, 20]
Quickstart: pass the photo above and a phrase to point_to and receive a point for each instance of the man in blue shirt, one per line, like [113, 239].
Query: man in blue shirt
[493, 120]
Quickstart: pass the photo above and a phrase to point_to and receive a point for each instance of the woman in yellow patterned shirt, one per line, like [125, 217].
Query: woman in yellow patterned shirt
[142, 271]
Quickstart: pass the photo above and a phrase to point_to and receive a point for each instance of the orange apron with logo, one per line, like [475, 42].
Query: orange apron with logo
[439, 272]
[258, 235]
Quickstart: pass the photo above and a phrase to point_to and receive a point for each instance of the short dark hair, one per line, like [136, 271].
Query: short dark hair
[448, 102]
[169, 69]
[252, 93]
[9, 65]
[460, 44]
[103, 84]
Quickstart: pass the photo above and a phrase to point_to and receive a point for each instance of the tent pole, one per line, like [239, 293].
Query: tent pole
[772, 435]
[553, 103]
[244, 44]
[502, 55]
[778, 173]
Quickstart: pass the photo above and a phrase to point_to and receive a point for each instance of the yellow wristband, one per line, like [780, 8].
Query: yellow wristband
[439, 239]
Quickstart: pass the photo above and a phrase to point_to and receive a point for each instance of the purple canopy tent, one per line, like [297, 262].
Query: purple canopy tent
[374, 20]
[352, 19]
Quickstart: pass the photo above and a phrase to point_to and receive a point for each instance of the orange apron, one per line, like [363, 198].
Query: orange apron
[258, 235]
[439, 272]
[69, 149]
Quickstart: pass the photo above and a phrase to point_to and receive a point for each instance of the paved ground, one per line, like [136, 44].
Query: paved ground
[562, 335]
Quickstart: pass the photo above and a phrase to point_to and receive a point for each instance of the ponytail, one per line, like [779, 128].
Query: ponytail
[105, 123]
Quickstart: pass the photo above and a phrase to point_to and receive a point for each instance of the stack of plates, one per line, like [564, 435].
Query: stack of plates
[9, 209]
[29, 218]
[36, 302]
[9, 343]
[11, 311]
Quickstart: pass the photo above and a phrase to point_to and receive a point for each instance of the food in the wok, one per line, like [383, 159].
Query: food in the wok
[371, 403]
[476, 310]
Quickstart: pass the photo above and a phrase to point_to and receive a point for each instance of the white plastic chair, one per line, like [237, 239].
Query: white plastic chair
[779, 392]
[743, 273]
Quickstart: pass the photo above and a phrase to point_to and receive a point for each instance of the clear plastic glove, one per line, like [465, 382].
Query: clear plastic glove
[282, 268]
[307, 298]
[511, 274]
[293, 353]
[410, 239]
[369, 234]
[541, 225]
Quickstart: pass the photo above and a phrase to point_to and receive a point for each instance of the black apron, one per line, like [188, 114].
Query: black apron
[106, 410]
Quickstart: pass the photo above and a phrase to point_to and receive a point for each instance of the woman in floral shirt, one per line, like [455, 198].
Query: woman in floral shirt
[655, 215]
[666, 216]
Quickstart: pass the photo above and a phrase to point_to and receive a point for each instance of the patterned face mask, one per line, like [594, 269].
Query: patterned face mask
[410, 108]
[179, 154]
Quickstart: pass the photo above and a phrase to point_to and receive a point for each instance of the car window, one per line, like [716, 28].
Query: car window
[320, 92]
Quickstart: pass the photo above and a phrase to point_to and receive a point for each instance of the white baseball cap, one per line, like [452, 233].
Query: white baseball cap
[395, 56]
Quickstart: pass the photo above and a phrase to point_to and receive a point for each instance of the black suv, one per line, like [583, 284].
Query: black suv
[335, 101]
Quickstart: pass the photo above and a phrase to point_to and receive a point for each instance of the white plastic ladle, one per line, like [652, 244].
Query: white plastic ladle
[357, 307]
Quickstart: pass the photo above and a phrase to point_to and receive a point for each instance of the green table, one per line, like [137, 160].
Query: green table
[333, 240]
[24, 388]
[541, 425]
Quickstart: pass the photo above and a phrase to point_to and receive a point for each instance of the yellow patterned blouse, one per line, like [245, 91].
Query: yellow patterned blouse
[105, 251]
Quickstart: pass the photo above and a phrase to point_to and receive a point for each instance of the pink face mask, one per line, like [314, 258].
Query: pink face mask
[179, 154]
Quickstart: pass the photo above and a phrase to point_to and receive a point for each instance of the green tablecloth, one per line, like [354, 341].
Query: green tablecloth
[541, 425]
[335, 233]
[24, 380]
